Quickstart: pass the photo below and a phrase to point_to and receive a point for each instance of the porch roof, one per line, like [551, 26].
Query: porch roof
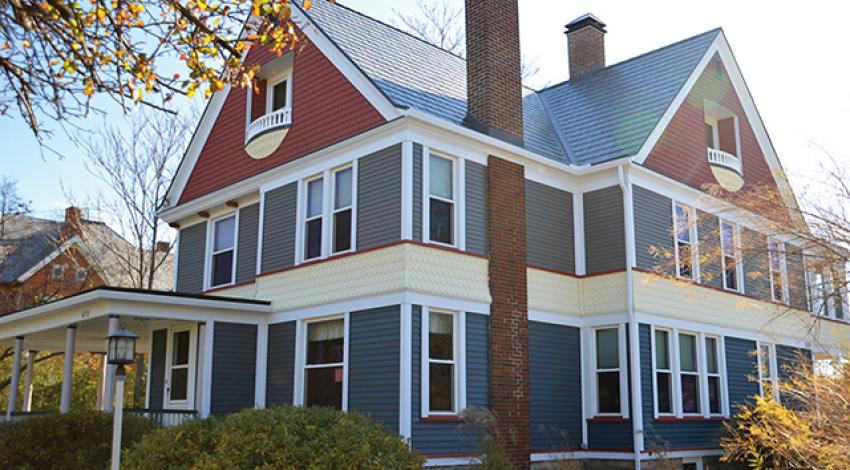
[43, 327]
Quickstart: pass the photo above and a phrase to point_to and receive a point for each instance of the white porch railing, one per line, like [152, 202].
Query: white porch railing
[280, 118]
[162, 418]
[725, 160]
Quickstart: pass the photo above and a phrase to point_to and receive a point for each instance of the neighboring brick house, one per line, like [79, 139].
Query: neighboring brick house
[43, 260]
[390, 229]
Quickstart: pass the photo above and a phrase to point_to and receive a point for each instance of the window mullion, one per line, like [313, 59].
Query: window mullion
[327, 209]
[702, 366]
[677, 374]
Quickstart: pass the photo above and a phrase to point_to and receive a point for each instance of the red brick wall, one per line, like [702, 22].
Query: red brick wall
[326, 108]
[42, 287]
[509, 386]
[493, 76]
[681, 151]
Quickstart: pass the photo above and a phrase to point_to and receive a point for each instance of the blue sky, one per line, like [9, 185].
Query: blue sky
[790, 56]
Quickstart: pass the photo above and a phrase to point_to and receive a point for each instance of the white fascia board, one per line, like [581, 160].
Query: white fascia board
[52, 256]
[193, 152]
[721, 47]
[344, 64]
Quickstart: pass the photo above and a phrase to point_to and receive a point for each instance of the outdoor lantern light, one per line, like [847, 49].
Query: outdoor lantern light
[122, 348]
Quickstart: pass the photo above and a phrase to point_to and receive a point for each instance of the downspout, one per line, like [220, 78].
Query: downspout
[636, 401]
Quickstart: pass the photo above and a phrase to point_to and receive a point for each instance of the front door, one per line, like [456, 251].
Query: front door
[180, 370]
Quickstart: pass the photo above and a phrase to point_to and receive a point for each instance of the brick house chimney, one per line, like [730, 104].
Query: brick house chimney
[586, 44]
[163, 247]
[493, 76]
[73, 224]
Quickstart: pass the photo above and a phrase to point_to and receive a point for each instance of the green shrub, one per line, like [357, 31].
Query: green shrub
[276, 438]
[79, 440]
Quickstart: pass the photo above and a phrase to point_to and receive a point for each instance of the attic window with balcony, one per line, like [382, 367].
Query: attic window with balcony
[269, 108]
[722, 141]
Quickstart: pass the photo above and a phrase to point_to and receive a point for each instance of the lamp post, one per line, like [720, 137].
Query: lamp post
[121, 351]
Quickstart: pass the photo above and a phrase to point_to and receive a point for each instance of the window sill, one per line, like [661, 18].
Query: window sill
[608, 419]
[689, 419]
[441, 419]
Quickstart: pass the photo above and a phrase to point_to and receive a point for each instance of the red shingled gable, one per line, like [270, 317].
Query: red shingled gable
[326, 108]
[681, 151]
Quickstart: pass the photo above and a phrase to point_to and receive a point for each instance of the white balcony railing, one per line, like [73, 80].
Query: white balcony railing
[725, 160]
[280, 118]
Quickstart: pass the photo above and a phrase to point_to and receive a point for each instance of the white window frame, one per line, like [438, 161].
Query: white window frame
[715, 135]
[459, 382]
[623, 370]
[696, 460]
[276, 80]
[210, 253]
[302, 342]
[692, 234]
[739, 271]
[81, 274]
[656, 370]
[328, 176]
[457, 169]
[783, 269]
[822, 306]
[774, 374]
[702, 374]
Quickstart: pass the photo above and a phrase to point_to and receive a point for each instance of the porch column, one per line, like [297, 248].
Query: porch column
[28, 381]
[109, 383]
[101, 382]
[68, 377]
[16, 377]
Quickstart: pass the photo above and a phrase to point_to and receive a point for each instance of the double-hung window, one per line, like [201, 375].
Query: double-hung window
[714, 380]
[684, 241]
[767, 369]
[442, 363]
[328, 209]
[778, 285]
[689, 371]
[324, 372]
[663, 373]
[342, 210]
[442, 209]
[278, 94]
[223, 249]
[608, 399]
[729, 256]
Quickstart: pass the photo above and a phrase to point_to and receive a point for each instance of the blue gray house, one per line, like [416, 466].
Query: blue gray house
[391, 229]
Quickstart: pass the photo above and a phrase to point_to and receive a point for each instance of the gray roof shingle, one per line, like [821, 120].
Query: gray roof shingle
[600, 116]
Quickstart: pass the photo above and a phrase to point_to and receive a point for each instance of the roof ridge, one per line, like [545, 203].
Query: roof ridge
[397, 29]
[639, 56]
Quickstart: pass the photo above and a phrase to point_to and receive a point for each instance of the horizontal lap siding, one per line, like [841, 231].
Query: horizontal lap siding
[653, 231]
[605, 247]
[708, 233]
[554, 356]
[417, 192]
[672, 436]
[159, 339]
[326, 109]
[233, 367]
[681, 151]
[741, 371]
[279, 228]
[549, 227]
[476, 208]
[790, 362]
[448, 438]
[373, 365]
[379, 198]
[246, 249]
[190, 258]
[280, 369]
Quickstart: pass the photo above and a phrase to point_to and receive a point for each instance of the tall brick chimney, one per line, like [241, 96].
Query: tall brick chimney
[493, 77]
[73, 223]
[586, 43]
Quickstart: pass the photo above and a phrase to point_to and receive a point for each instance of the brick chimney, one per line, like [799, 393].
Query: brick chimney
[493, 77]
[163, 247]
[586, 43]
[73, 223]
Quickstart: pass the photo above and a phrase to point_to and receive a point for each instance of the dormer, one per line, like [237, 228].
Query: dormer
[723, 146]
[269, 107]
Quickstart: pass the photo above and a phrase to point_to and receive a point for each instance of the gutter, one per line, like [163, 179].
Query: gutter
[636, 400]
